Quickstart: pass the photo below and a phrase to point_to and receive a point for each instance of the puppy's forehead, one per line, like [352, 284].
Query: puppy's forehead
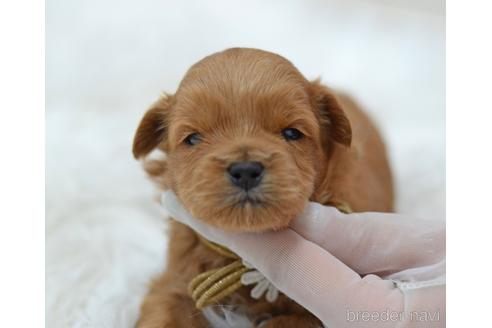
[242, 86]
[241, 68]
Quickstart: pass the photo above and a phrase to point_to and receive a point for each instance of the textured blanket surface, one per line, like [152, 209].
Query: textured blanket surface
[108, 60]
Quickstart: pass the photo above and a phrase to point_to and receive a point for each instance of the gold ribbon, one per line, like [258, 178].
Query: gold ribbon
[214, 285]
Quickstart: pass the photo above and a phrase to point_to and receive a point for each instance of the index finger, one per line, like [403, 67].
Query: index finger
[314, 278]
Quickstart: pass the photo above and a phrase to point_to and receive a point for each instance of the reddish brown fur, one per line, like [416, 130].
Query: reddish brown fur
[239, 100]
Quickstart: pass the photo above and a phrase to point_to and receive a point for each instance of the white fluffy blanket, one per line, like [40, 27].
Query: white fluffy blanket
[107, 60]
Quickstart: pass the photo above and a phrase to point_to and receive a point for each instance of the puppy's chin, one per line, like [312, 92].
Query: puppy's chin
[248, 214]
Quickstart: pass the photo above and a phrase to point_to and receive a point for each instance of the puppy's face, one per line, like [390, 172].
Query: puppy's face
[247, 138]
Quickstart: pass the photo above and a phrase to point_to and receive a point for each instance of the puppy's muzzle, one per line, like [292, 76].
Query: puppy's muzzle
[246, 175]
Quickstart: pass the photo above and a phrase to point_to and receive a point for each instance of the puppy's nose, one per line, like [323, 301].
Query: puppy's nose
[245, 175]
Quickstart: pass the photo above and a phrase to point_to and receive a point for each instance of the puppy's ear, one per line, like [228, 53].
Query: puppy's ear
[152, 129]
[334, 124]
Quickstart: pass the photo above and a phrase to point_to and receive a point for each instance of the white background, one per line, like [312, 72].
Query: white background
[108, 60]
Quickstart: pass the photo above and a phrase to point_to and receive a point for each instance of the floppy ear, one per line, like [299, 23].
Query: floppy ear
[152, 129]
[334, 124]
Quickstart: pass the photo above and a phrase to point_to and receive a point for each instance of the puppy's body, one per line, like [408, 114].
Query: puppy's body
[359, 176]
[247, 98]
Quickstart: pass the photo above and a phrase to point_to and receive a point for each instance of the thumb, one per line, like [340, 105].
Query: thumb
[373, 242]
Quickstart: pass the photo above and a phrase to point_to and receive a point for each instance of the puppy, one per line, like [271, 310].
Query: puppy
[248, 142]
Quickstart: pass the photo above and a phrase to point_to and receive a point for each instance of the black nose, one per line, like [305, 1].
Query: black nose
[245, 175]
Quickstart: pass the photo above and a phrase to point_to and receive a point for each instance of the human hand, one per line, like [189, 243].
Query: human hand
[319, 260]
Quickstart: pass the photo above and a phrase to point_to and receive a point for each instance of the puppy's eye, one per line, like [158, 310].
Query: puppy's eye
[193, 139]
[292, 134]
